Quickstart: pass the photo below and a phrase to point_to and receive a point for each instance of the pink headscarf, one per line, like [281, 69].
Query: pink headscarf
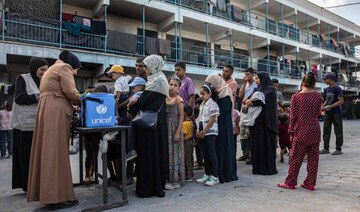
[221, 87]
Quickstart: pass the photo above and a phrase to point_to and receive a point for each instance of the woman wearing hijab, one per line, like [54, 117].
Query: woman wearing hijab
[265, 129]
[152, 145]
[23, 120]
[225, 147]
[50, 179]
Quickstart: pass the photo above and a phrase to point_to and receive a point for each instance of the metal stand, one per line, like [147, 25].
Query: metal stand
[123, 188]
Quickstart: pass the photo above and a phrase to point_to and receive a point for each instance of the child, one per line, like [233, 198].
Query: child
[6, 130]
[92, 141]
[138, 87]
[121, 85]
[284, 137]
[236, 127]
[208, 131]
[187, 128]
[175, 117]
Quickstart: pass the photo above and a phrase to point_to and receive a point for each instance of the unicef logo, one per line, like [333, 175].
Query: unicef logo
[101, 109]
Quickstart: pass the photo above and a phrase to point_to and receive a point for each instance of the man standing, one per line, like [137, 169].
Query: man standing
[280, 97]
[332, 107]
[247, 88]
[228, 71]
[140, 68]
[187, 88]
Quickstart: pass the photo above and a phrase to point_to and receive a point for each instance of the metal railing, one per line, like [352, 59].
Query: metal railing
[34, 31]
[261, 22]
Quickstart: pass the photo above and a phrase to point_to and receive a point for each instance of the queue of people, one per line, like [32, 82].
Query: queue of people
[209, 123]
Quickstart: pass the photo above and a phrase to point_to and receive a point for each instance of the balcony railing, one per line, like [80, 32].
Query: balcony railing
[260, 22]
[49, 33]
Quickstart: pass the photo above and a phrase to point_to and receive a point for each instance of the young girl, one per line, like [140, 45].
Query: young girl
[175, 117]
[207, 131]
[6, 130]
[284, 137]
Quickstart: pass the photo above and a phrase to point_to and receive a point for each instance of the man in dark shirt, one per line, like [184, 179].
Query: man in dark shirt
[332, 107]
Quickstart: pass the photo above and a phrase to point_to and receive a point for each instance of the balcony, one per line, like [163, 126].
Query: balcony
[16, 28]
[260, 22]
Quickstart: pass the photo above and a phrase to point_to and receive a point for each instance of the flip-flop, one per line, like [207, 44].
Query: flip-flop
[284, 185]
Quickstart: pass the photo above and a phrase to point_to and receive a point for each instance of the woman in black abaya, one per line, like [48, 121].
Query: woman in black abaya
[263, 133]
[152, 145]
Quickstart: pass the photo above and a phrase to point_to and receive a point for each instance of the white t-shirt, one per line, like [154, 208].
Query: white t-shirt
[249, 89]
[122, 84]
[207, 109]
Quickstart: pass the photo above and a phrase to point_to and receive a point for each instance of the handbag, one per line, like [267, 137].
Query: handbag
[147, 119]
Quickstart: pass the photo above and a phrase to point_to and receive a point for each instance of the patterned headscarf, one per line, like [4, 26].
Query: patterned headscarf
[221, 87]
[157, 81]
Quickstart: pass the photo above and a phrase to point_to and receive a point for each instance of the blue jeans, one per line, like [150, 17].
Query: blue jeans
[6, 136]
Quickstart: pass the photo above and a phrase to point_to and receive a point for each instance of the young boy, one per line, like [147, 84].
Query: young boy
[137, 86]
[121, 86]
[187, 128]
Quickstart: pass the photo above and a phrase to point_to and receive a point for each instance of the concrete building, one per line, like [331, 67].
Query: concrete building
[286, 38]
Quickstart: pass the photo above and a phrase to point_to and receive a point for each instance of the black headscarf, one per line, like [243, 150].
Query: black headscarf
[34, 64]
[270, 109]
[70, 58]
[265, 82]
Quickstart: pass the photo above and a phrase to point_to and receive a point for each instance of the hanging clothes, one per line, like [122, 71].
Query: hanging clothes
[164, 47]
[151, 45]
[72, 28]
[122, 41]
[98, 27]
[67, 17]
[236, 13]
[221, 5]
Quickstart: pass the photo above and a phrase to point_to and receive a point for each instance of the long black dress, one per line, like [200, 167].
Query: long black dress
[22, 140]
[225, 147]
[263, 135]
[151, 147]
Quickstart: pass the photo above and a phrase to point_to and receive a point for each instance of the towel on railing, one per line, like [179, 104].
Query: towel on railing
[87, 22]
[72, 28]
[78, 19]
[236, 13]
[121, 41]
[221, 5]
[98, 27]
[67, 17]
[164, 47]
[151, 45]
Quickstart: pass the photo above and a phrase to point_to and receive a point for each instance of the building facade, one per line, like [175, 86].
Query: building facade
[286, 38]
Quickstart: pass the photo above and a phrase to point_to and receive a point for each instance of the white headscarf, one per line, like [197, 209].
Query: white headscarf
[157, 81]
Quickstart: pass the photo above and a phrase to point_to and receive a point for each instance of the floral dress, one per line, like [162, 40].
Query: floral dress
[176, 149]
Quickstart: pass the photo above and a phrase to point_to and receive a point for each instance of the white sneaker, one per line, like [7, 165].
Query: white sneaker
[169, 186]
[176, 185]
[212, 181]
[203, 179]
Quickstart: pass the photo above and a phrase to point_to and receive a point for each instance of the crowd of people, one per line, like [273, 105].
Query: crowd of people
[209, 123]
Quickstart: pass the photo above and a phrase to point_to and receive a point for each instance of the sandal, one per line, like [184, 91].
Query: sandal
[87, 180]
[308, 187]
[287, 186]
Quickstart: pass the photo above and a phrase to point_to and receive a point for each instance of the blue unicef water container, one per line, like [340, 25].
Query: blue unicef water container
[98, 110]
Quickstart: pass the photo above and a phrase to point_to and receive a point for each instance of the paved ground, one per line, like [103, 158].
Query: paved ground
[338, 188]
